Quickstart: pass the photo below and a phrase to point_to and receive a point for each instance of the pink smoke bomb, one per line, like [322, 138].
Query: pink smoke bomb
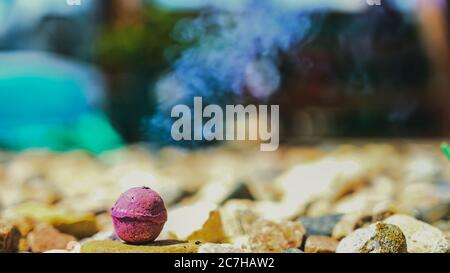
[139, 215]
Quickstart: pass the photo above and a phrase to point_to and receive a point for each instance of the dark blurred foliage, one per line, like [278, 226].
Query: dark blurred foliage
[133, 56]
[362, 75]
[146, 45]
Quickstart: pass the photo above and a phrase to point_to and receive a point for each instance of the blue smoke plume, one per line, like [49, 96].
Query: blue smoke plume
[236, 48]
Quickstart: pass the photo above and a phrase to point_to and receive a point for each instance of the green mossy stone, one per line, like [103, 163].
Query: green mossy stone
[377, 238]
[388, 239]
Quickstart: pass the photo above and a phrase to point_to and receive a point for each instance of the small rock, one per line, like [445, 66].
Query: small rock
[164, 246]
[293, 250]
[352, 221]
[320, 225]
[46, 238]
[320, 244]
[237, 217]
[377, 238]
[268, 236]
[382, 211]
[444, 226]
[319, 207]
[276, 211]
[78, 225]
[342, 175]
[420, 236]
[434, 213]
[9, 238]
[200, 221]
[221, 191]
[347, 224]
[56, 251]
[23, 245]
[74, 247]
[220, 248]
[25, 225]
[420, 195]
[447, 236]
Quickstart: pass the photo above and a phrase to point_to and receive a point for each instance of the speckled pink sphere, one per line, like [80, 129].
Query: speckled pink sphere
[139, 215]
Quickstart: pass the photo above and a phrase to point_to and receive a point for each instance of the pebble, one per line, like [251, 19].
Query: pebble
[434, 213]
[377, 238]
[268, 236]
[320, 225]
[220, 191]
[237, 217]
[164, 246]
[347, 224]
[320, 244]
[9, 238]
[447, 236]
[220, 248]
[76, 224]
[420, 236]
[333, 183]
[74, 247]
[56, 251]
[443, 226]
[23, 245]
[293, 250]
[199, 221]
[352, 221]
[46, 238]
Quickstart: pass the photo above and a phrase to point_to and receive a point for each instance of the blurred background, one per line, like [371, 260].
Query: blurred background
[105, 73]
[87, 88]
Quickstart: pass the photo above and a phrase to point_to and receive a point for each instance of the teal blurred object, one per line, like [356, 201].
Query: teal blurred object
[48, 102]
[446, 150]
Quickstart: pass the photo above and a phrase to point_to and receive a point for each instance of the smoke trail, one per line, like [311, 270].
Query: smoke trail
[236, 48]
